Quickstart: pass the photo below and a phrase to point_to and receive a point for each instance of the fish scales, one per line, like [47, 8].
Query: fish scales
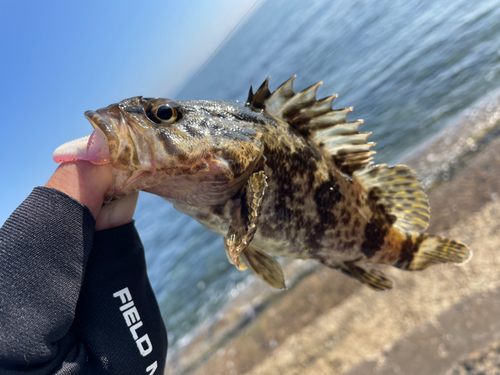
[307, 205]
[281, 174]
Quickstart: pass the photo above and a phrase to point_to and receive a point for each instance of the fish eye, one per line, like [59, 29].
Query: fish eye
[164, 113]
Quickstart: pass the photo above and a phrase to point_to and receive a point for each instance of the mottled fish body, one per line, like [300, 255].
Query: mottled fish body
[281, 174]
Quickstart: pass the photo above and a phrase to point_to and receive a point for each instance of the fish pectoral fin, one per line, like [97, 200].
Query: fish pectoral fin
[239, 265]
[246, 217]
[394, 196]
[372, 278]
[254, 193]
[264, 266]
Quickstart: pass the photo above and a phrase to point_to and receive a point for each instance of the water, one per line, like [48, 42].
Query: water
[408, 67]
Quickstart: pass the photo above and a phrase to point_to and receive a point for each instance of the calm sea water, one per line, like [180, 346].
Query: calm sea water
[407, 67]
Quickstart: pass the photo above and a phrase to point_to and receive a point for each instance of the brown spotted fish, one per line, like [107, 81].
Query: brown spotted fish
[281, 174]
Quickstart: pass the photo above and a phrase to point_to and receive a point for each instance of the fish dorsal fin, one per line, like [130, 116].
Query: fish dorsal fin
[316, 120]
[394, 195]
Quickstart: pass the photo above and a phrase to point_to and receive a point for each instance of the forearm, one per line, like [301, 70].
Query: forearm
[117, 314]
[44, 246]
[53, 320]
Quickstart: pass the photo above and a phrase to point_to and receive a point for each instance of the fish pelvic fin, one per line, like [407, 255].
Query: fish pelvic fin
[392, 196]
[264, 266]
[420, 251]
[316, 120]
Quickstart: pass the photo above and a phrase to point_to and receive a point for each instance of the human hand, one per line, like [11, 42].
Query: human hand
[88, 183]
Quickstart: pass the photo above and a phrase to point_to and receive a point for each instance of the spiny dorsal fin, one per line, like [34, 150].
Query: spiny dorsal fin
[258, 100]
[394, 195]
[315, 119]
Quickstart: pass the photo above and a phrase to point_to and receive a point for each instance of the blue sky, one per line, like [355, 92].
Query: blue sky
[61, 58]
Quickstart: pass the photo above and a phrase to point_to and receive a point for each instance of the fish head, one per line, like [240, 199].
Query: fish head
[194, 152]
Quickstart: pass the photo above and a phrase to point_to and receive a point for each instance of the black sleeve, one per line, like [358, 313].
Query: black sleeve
[73, 301]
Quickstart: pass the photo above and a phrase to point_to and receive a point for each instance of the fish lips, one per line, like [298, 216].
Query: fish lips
[126, 146]
[98, 122]
[121, 147]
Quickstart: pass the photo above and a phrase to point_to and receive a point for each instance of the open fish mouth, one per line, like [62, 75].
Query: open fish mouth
[122, 140]
[98, 121]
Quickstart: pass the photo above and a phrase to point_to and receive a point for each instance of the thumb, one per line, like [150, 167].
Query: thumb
[117, 213]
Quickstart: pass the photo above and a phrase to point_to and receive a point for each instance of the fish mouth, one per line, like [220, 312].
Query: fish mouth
[106, 120]
[109, 127]
[98, 122]
[121, 145]
[124, 144]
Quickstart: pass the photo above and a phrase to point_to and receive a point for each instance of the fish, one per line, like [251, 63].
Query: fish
[280, 175]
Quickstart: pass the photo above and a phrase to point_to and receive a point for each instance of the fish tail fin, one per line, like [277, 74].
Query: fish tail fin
[420, 251]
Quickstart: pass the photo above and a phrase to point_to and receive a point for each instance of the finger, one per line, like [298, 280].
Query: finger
[117, 213]
[86, 182]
